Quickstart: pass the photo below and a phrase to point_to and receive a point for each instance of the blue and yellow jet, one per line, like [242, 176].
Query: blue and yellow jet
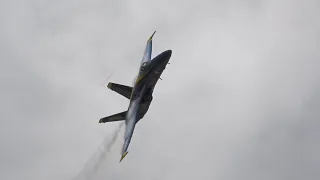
[140, 95]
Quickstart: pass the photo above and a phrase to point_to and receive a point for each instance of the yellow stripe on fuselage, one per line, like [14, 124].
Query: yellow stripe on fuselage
[139, 78]
[142, 76]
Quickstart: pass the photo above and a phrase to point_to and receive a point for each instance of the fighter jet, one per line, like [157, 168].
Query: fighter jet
[140, 95]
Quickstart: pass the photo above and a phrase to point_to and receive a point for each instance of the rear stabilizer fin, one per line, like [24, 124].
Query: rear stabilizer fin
[121, 89]
[116, 117]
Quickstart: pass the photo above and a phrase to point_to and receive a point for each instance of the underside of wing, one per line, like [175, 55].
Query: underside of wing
[148, 50]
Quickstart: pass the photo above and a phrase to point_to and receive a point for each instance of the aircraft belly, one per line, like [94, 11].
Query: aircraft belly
[143, 109]
[155, 75]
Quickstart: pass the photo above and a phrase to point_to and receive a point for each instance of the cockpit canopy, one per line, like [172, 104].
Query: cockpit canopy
[144, 66]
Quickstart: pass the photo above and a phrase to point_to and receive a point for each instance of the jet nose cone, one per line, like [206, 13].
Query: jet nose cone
[162, 58]
[168, 53]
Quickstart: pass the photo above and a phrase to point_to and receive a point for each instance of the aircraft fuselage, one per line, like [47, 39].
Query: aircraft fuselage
[140, 95]
[143, 88]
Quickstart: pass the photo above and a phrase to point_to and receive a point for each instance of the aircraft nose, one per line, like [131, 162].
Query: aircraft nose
[168, 53]
[162, 58]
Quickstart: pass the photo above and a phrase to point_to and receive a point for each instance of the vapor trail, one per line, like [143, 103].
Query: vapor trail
[107, 79]
[93, 164]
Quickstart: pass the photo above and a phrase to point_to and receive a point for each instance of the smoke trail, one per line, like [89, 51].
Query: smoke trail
[93, 164]
[107, 79]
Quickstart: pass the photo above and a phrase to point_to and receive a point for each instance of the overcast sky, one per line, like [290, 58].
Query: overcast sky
[240, 99]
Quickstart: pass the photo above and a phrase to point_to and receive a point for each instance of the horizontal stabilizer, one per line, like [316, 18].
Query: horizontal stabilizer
[121, 89]
[116, 117]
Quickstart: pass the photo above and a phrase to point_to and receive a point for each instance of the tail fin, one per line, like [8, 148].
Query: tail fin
[116, 117]
[121, 89]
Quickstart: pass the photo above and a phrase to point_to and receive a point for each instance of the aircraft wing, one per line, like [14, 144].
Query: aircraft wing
[127, 139]
[148, 50]
[131, 120]
[145, 60]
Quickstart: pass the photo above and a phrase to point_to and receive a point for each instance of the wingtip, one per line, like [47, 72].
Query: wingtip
[109, 85]
[152, 36]
[123, 156]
